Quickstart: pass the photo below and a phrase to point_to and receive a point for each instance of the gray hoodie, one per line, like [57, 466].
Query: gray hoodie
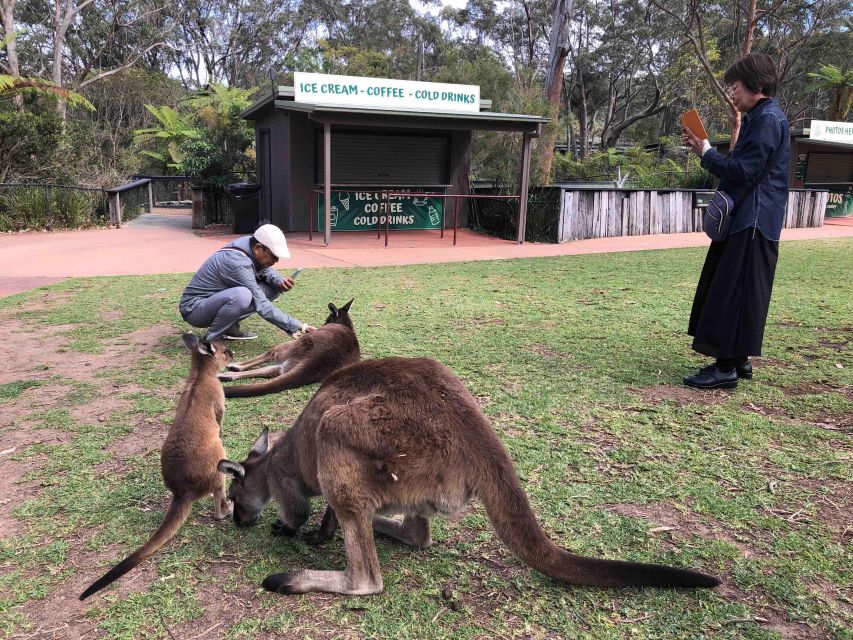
[233, 266]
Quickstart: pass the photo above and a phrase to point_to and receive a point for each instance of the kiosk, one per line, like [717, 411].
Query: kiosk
[364, 144]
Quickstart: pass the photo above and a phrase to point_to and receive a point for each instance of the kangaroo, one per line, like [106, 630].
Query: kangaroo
[190, 453]
[301, 362]
[405, 436]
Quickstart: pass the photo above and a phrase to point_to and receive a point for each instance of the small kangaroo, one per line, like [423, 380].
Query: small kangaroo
[404, 436]
[190, 453]
[301, 362]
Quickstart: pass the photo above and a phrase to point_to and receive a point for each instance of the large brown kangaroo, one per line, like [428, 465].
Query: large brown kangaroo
[401, 435]
[300, 362]
[190, 453]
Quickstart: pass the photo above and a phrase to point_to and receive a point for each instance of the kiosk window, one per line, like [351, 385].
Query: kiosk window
[385, 159]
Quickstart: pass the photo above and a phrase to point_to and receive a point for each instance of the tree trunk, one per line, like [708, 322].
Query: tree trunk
[62, 15]
[583, 119]
[7, 19]
[749, 36]
[558, 48]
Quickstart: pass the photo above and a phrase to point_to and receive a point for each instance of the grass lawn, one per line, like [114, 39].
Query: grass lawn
[577, 362]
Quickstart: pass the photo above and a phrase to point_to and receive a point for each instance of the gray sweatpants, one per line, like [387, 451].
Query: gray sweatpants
[221, 310]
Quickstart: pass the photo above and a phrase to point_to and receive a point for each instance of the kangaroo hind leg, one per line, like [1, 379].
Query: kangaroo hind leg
[276, 353]
[361, 577]
[272, 371]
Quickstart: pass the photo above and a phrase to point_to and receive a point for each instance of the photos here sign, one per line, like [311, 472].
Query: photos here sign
[385, 93]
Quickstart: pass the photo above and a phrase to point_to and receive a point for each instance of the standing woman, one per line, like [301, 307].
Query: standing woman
[733, 295]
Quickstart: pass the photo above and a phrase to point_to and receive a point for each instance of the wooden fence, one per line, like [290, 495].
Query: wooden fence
[608, 213]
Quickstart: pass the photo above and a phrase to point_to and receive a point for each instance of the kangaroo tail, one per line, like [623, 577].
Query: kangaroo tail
[515, 524]
[290, 380]
[172, 521]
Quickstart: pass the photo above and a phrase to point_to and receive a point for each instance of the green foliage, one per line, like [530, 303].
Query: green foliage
[204, 137]
[644, 169]
[170, 130]
[31, 140]
[840, 83]
[26, 208]
[11, 87]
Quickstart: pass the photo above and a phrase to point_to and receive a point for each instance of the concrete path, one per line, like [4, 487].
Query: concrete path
[165, 243]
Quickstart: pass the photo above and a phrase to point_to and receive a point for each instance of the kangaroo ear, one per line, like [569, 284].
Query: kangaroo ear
[190, 340]
[333, 308]
[262, 444]
[345, 308]
[205, 348]
[234, 469]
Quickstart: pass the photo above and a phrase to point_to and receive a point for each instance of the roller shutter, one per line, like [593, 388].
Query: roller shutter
[385, 159]
[829, 168]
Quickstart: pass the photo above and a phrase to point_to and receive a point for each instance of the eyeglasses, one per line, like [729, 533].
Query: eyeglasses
[267, 249]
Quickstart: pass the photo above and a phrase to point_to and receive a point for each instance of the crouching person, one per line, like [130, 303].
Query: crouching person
[237, 281]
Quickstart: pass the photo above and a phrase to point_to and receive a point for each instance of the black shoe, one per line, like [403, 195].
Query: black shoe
[711, 377]
[234, 333]
[744, 370]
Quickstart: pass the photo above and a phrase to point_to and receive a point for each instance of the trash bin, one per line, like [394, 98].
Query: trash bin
[243, 198]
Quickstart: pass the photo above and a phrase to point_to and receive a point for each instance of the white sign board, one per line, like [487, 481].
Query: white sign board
[384, 93]
[829, 131]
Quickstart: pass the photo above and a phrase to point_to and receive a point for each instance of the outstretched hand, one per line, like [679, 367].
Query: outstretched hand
[286, 284]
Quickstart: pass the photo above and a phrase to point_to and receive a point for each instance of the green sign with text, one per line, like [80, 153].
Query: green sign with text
[365, 210]
[839, 204]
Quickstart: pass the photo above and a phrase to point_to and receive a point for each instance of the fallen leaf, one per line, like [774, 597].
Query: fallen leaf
[7, 451]
[771, 486]
[839, 365]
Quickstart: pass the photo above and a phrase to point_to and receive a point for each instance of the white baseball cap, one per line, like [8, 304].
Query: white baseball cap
[272, 238]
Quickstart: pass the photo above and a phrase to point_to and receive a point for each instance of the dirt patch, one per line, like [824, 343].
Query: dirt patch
[679, 396]
[544, 351]
[41, 353]
[841, 423]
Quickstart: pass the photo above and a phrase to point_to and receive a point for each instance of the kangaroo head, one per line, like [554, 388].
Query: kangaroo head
[249, 490]
[340, 316]
[215, 351]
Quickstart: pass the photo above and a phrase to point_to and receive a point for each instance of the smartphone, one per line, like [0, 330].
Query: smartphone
[296, 273]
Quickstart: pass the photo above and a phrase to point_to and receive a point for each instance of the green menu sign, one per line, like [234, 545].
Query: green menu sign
[365, 210]
[802, 166]
[839, 204]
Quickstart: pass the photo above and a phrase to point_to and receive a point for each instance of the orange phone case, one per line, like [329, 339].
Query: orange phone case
[692, 121]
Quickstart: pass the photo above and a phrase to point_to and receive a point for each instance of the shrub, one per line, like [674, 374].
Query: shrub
[30, 207]
[645, 170]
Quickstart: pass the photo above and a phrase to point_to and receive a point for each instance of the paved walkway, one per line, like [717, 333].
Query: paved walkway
[165, 243]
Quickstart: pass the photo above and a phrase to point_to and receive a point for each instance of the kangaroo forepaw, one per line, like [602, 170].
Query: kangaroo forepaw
[319, 537]
[225, 377]
[226, 508]
[233, 367]
[278, 528]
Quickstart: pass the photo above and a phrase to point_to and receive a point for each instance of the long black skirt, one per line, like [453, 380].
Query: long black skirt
[733, 296]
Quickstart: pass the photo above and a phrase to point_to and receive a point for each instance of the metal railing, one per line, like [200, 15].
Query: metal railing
[384, 197]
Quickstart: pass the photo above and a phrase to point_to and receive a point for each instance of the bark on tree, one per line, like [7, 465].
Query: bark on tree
[558, 51]
[7, 19]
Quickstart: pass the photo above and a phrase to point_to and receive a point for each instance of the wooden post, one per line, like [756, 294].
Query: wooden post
[115, 208]
[150, 197]
[327, 179]
[198, 209]
[525, 181]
